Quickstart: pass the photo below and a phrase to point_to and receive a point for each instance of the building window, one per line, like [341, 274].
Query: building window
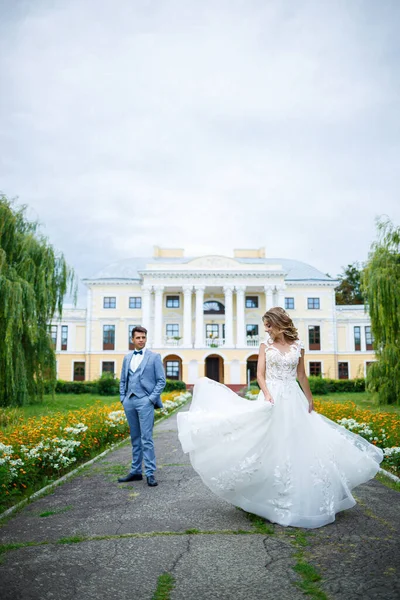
[313, 303]
[289, 303]
[108, 337]
[64, 337]
[314, 337]
[108, 367]
[251, 330]
[212, 307]
[172, 330]
[172, 369]
[315, 369]
[79, 371]
[53, 335]
[357, 338]
[369, 340]
[343, 370]
[109, 302]
[172, 302]
[368, 364]
[135, 302]
[251, 301]
[212, 330]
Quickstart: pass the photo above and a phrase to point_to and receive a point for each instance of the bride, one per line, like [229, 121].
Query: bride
[275, 457]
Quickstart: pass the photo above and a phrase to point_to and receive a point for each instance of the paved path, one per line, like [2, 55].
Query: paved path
[105, 540]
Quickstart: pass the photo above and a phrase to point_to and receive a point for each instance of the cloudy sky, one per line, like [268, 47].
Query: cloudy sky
[206, 125]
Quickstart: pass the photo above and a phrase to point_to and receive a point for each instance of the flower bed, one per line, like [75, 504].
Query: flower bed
[37, 450]
[381, 429]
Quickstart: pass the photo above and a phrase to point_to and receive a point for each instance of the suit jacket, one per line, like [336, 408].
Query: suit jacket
[152, 376]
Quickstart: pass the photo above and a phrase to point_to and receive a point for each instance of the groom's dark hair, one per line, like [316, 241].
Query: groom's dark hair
[138, 329]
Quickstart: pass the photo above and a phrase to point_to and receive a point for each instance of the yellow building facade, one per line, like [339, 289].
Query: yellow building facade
[203, 315]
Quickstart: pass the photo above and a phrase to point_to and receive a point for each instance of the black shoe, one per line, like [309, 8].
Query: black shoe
[151, 481]
[131, 477]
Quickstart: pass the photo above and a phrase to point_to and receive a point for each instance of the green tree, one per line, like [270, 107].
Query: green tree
[349, 289]
[381, 283]
[33, 281]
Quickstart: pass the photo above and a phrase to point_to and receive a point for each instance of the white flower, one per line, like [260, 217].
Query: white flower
[77, 429]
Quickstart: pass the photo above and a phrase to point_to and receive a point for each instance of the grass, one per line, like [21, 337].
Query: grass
[364, 400]
[165, 585]
[63, 403]
[394, 485]
[75, 539]
[67, 402]
[310, 578]
[259, 524]
[56, 511]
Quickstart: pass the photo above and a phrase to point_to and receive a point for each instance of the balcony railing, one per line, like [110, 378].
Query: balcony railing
[215, 342]
[171, 341]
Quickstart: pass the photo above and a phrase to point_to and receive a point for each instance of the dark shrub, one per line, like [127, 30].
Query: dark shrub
[318, 385]
[76, 387]
[173, 385]
[322, 386]
[108, 385]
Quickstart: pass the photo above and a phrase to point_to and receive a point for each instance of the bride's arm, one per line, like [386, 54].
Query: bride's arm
[261, 374]
[303, 380]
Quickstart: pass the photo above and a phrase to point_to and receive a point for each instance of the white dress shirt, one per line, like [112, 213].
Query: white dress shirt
[136, 360]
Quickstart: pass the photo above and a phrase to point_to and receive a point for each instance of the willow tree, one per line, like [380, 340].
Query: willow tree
[33, 281]
[381, 285]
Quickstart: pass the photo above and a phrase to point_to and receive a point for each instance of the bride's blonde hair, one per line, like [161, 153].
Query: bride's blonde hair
[281, 321]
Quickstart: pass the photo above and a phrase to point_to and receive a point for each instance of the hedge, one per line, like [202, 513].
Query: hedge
[107, 385]
[321, 386]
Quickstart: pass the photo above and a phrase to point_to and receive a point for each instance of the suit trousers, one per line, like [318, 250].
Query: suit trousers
[140, 415]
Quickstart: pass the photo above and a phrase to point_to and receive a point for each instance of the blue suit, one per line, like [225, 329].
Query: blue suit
[140, 394]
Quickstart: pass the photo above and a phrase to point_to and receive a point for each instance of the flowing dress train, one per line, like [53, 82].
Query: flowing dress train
[276, 460]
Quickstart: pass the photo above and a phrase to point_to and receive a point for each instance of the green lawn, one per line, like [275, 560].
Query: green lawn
[63, 403]
[66, 402]
[363, 400]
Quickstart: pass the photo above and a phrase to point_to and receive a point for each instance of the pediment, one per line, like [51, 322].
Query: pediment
[214, 262]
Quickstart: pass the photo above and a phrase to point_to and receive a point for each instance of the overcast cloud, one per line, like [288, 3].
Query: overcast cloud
[208, 125]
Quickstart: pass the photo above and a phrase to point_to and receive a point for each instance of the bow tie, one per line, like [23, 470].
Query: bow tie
[138, 352]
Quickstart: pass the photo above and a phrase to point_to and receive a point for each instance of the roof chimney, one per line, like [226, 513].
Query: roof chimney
[249, 253]
[167, 252]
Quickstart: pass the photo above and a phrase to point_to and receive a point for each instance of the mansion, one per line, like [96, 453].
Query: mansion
[204, 316]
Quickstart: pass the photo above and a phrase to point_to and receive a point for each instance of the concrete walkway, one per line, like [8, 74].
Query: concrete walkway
[95, 538]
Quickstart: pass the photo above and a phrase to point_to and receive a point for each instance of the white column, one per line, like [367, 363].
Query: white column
[88, 345]
[146, 308]
[187, 315]
[281, 295]
[228, 290]
[158, 325]
[240, 321]
[268, 289]
[199, 341]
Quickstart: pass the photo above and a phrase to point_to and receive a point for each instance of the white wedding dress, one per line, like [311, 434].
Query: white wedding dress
[275, 460]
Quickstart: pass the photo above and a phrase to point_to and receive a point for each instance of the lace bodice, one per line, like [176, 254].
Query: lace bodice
[282, 366]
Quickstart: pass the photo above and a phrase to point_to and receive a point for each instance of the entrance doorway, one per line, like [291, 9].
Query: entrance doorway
[215, 368]
[251, 367]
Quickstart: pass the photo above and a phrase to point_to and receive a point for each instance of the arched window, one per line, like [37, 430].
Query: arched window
[213, 307]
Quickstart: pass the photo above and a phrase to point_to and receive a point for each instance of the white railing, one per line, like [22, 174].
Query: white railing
[215, 342]
[251, 341]
[168, 341]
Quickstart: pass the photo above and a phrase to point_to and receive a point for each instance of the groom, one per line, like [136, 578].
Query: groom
[142, 381]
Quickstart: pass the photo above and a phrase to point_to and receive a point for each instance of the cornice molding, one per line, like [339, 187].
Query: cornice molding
[224, 274]
[310, 283]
